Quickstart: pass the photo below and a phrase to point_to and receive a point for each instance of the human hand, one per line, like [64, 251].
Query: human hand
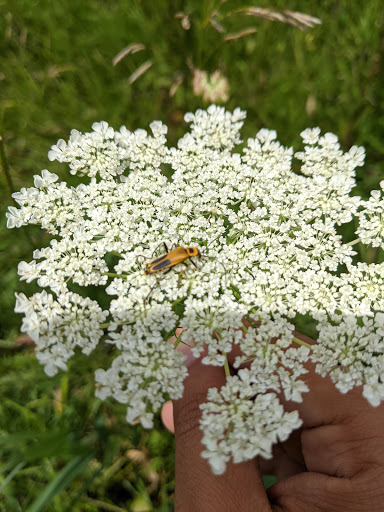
[334, 463]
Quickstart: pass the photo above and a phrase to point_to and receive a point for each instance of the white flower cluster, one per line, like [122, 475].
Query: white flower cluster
[267, 233]
[142, 378]
[371, 228]
[357, 347]
[243, 420]
[213, 88]
[59, 326]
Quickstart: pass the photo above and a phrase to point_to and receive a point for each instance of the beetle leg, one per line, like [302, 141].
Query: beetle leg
[180, 274]
[154, 252]
[150, 291]
[214, 240]
[225, 270]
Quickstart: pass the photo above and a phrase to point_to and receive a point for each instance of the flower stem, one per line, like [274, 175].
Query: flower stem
[302, 343]
[113, 274]
[226, 366]
[177, 341]
[177, 301]
[354, 242]
[4, 166]
[104, 326]
[5, 169]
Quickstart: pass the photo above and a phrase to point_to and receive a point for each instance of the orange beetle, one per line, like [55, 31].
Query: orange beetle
[172, 258]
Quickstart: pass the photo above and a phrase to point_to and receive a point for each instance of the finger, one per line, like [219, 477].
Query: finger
[287, 459]
[197, 488]
[167, 416]
[316, 492]
[335, 439]
[342, 433]
[167, 409]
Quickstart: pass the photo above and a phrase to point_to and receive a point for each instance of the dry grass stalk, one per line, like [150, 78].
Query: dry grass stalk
[296, 19]
[176, 84]
[140, 71]
[185, 20]
[242, 33]
[131, 49]
[215, 24]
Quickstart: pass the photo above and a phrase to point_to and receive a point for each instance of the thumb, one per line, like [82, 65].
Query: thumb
[197, 489]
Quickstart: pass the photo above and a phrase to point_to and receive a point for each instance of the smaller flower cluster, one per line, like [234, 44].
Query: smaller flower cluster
[213, 88]
[351, 351]
[214, 128]
[243, 420]
[107, 153]
[59, 326]
[361, 290]
[93, 153]
[267, 349]
[149, 370]
[371, 217]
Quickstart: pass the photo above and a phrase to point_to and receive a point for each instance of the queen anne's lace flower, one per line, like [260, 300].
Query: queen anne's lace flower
[242, 420]
[270, 250]
[357, 348]
[58, 326]
[371, 228]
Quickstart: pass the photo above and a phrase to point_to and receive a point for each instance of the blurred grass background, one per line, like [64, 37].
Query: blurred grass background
[61, 449]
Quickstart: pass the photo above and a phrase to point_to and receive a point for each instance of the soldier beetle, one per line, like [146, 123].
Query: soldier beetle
[172, 258]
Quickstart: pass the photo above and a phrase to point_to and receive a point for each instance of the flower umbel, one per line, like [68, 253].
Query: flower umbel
[270, 250]
[213, 88]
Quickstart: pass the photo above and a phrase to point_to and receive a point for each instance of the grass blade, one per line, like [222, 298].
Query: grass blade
[60, 482]
[11, 475]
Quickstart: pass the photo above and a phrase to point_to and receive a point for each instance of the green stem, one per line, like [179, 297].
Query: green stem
[104, 326]
[354, 242]
[5, 169]
[177, 341]
[113, 274]
[177, 301]
[102, 505]
[303, 343]
[229, 430]
[208, 10]
[226, 366]
[251, 322]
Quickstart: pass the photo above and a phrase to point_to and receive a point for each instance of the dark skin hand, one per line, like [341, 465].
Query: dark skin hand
[335, 462]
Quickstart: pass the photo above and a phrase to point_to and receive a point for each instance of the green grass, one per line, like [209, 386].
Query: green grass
[56, 74]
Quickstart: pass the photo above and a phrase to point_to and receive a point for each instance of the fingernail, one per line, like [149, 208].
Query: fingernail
[167, 416]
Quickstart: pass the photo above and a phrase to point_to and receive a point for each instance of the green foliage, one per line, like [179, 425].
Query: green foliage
[60, 447]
